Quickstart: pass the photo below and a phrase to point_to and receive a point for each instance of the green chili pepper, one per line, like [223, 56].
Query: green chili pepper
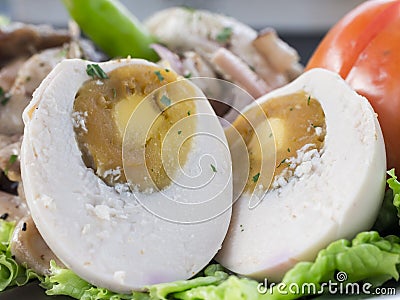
[112, 28]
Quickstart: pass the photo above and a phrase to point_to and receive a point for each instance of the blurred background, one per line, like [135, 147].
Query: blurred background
[302, 23]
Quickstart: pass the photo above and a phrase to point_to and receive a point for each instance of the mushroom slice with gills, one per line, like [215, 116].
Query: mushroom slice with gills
[181, 29]
[278, 53]
[9, 73]
[194, 66]
[18, 39]
[169, 58]
[80, 47]
[20, 191]
[12, 208]
[324, 133]
[6, 140]
[137, 181]
[234, 69]
[29, 248]
[28, 79]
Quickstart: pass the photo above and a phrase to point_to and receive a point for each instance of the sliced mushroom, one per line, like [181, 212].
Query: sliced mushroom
[18, 39]
[28, 247]
[79, 47]
[30, 75]
[6, 140]
[279, 54]
[204, 32]
[21, 192]
[8, 74]
[168, 57]
[9, 161]
[236, 70]
[195, 66]
[295, 71]
[12, 208]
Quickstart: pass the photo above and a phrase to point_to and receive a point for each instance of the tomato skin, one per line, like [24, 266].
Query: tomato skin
[339, 48]
[364, 48]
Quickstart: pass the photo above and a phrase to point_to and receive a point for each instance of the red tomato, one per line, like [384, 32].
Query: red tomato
[364, 48]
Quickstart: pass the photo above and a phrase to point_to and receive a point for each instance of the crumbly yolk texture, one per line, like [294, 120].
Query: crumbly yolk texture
[106, 106]
[295, 120]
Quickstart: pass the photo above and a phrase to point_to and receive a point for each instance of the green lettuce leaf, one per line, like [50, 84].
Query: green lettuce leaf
[11, 273]
[387, 222]
[65, 282]
[213, 274]
[232, 288]
[394, 185]
[368, 257]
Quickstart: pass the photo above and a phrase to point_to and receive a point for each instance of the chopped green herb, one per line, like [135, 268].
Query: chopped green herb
[165, 100]
[4, 97]
[11, 161]
[308, 100]
[224, 35]
[188, 113]
[94, 70]
[28, 78]
[213, 168]
[160, 77]
[63, 53]
[283, 161]
[270, 135]
[179, 131]
[166, 70]
[252, 68]
[241, 228]
[288, 149]
[255, 177]
[189, 8]
[187, 75]
[291, 108]
[114, 90]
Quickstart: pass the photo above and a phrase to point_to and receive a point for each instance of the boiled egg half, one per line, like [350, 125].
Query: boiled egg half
[316, 171]
[127, 172]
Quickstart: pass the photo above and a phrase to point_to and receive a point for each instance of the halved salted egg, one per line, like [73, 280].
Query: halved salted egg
[127, 174]
[315, 174]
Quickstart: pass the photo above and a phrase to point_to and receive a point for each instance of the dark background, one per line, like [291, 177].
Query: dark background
[305, 44]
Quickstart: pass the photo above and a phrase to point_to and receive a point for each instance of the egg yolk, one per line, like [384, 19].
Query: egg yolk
[101, 112]
[296, 120]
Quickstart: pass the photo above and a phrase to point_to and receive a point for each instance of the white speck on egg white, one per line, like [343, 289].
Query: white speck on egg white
[47, 202]
[119, 276]
[78, 119]
[85, 229]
